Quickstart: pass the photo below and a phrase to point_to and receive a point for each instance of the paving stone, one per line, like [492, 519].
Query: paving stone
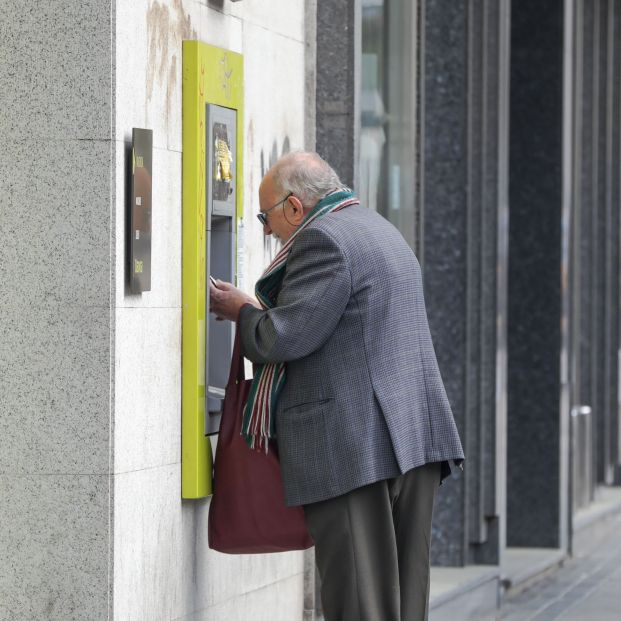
[585, 589]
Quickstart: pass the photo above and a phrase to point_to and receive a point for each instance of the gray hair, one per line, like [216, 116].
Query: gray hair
[306, 175]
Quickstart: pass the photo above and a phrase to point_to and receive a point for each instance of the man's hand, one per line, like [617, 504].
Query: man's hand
[225, 300]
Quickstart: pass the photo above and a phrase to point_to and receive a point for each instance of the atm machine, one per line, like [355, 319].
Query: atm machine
[212, 206]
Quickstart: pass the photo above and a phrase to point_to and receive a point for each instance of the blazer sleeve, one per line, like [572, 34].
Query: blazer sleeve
[314, 294]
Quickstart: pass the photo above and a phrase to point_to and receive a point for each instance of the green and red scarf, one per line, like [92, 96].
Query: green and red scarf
[258, 423]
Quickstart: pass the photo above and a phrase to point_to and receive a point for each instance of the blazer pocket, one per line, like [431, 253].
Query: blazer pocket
[304, 445]
[306, 405]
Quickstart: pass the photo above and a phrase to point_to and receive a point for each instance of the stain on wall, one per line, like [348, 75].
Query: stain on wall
[168, 25]
[270, 246]
[267, 161]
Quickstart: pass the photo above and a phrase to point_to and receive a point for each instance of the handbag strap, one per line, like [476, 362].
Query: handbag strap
[237, 372]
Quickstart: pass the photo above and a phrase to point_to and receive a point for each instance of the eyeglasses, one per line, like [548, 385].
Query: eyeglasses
[262, 215]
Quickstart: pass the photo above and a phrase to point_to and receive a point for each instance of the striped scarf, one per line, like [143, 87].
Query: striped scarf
[258, 423]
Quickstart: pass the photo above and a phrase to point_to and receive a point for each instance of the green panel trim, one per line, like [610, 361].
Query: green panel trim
[210, 75]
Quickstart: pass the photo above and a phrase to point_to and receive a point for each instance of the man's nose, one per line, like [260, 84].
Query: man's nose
[266, 229]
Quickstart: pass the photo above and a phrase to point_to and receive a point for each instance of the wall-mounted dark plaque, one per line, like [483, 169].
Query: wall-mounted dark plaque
[140, 210]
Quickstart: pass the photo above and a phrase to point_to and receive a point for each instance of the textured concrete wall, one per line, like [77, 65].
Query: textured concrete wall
[464, 119]
[55, 334]
[338, 82]
[163, 569]
[534, 338]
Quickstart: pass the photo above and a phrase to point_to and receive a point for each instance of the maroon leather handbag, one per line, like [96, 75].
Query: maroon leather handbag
[248, 514]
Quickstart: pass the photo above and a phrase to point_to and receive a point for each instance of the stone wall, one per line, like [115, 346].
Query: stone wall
[56, 332]
[163, 568]
[93, 525]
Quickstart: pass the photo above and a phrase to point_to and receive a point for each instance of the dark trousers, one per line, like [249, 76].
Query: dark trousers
[372, 548]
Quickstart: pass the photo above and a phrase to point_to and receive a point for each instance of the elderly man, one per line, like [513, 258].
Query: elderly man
[348, 378]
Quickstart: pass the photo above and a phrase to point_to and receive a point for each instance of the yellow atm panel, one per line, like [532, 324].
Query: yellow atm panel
[212, 204]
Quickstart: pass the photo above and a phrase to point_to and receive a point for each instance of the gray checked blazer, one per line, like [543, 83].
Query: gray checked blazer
[363, 398]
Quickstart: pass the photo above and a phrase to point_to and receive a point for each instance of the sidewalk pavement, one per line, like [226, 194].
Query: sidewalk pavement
[586, 588]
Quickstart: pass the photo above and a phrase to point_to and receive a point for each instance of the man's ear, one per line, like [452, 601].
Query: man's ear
[296, 209]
